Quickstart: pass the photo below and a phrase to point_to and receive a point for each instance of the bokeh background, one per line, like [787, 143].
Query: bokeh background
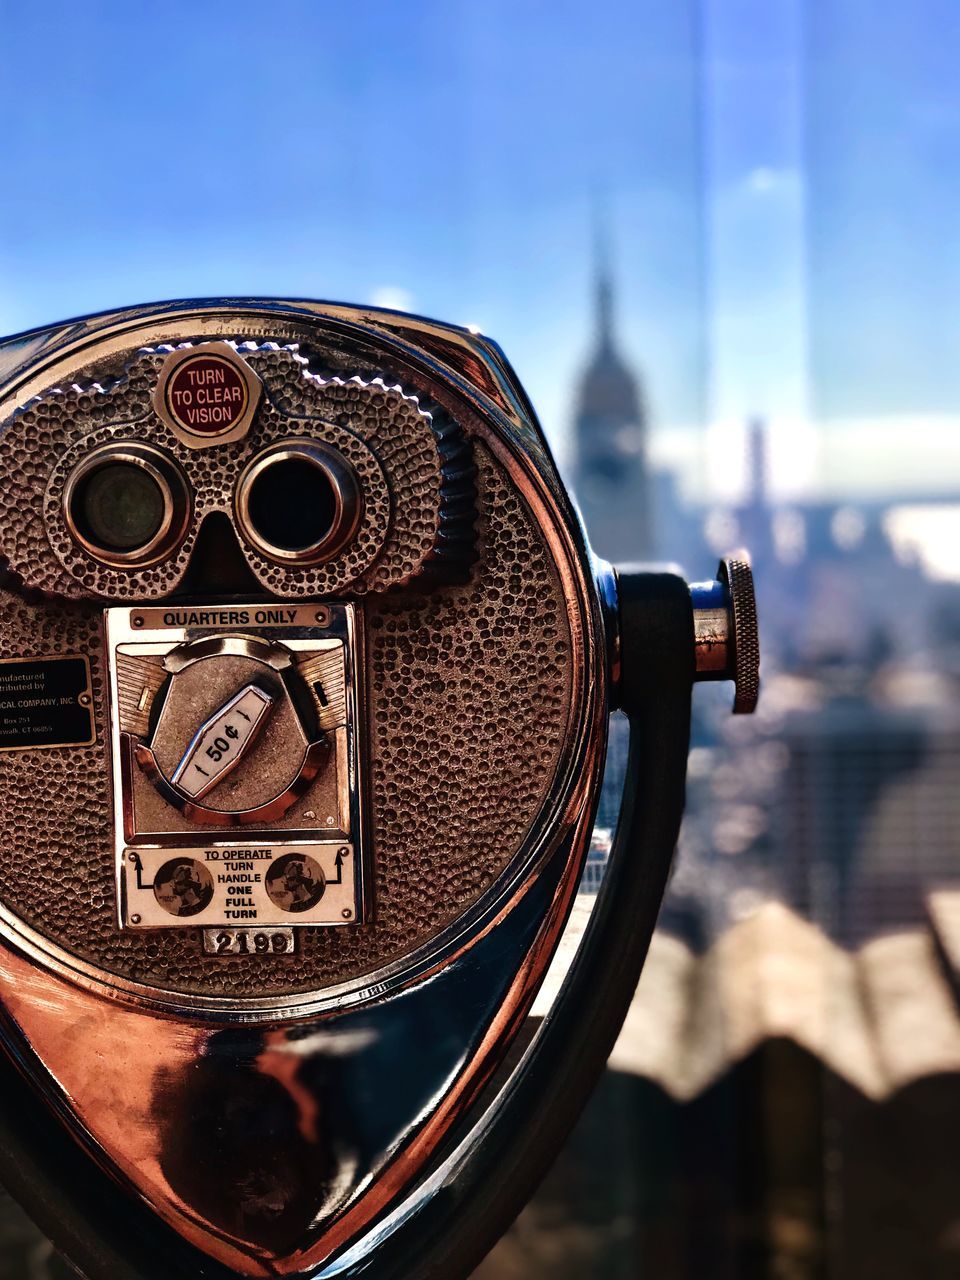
[718, 239]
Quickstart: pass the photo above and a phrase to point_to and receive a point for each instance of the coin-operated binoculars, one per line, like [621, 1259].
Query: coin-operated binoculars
[305, 683]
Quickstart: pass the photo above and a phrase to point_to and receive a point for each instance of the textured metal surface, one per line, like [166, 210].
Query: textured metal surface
[383, 433]
[469, 693]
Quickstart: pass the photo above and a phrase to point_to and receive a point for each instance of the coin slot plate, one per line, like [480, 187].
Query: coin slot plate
[305, 866]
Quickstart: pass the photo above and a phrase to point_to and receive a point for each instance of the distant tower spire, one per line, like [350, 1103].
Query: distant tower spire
[757, 463]
[603, 281]
[755, 514]
[611, 480]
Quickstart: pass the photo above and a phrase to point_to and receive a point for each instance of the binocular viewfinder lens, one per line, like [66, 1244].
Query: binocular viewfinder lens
[127, 504]
[120, 507]
[298, 502]
[292, 504]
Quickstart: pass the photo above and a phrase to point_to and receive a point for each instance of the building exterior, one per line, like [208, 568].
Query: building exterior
[610, 477]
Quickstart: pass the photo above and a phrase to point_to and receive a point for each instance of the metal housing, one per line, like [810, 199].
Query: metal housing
[103, 1038]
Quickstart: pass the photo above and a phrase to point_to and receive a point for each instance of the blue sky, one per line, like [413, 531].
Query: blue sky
[781, 180]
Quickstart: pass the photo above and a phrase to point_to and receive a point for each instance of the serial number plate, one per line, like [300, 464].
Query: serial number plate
[249, 942]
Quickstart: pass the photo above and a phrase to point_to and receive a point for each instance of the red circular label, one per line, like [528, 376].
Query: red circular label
[207, 395]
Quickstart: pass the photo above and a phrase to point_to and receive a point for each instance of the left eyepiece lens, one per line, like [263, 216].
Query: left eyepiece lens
[127, 504]
[120, 506]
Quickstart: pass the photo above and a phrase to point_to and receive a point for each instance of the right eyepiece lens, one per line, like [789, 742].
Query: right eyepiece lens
[292, 504]
[119, 507]
[298, 502]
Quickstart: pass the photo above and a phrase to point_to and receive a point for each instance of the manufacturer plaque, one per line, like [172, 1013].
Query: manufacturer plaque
[45, 702]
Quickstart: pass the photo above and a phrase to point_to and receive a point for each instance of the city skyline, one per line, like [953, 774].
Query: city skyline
[779, 179]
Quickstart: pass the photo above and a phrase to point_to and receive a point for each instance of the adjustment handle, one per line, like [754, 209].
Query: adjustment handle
[725, 635]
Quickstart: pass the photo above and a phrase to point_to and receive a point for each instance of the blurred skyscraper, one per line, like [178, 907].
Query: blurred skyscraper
[611, 477]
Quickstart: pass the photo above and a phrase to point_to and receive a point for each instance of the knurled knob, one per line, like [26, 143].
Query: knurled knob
[737, 576]
[725, 641]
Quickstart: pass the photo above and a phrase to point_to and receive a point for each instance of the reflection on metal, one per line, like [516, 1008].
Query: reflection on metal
[725, 631]
[420, 1039]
